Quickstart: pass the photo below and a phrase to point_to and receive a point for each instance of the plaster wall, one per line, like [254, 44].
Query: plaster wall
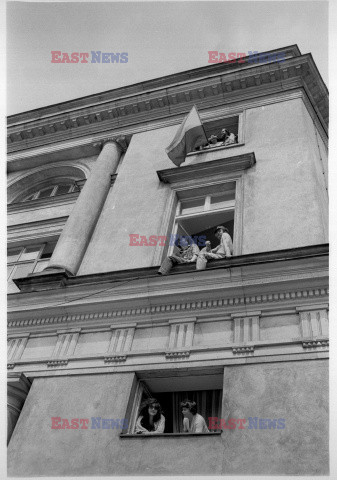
[295, 391]
[283, 205]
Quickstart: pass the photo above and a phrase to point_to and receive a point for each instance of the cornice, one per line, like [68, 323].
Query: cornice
[16, 234]
[205, 169]
[228, 85]
[40, 203]
[227, 354]
[50, 281]
[179, 309]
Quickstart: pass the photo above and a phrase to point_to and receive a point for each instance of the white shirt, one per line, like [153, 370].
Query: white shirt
[226, 245]
[198, 424]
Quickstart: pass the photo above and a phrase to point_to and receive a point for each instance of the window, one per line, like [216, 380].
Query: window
[21, 261]
[200, 210]
[203, 196]
[205, 390]
[215, 126]
[51, 191]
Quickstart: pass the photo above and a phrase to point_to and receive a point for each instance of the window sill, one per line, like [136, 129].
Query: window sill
[156, 435]
[214, 149]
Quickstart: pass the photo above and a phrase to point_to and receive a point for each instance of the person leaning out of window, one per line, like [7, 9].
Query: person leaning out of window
[150, 420]
[192, 422]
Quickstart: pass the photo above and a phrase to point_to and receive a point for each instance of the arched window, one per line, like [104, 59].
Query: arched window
[51, 191]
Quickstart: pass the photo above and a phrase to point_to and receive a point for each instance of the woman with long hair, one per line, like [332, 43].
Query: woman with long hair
[150, 420]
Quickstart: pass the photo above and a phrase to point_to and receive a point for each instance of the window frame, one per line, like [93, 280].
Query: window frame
[36, 194]
[241, 132]
[135, 398]
[237, 209]
[218, 169]
[33, 262]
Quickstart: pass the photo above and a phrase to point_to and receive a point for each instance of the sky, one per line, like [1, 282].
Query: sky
[160, 38]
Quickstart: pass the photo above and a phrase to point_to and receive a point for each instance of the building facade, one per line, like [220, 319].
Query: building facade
[93, 329]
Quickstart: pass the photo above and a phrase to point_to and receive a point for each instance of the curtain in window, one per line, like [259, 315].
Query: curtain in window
[208, 405]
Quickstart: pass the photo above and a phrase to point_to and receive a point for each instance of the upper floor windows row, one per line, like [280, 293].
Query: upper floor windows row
[50, 191]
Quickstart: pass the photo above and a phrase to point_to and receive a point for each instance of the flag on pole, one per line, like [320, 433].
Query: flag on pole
[190, 134]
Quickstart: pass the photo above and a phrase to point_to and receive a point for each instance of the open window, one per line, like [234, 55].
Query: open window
[23, 260]
[205, 390]
[214, 127]
[200, 210]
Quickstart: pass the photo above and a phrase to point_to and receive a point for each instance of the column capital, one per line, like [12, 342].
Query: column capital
[120, 141]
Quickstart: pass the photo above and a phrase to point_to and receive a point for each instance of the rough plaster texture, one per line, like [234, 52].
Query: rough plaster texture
[36, 449]
[213, 333]
[284, 193]
[296, 391]
[279, 327]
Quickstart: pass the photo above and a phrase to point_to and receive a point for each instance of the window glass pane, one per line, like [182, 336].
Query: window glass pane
[30, 253]
[13, 254]
[46, 192]
[41, 265]
[22, 270]
[63, 189]
[192, 206]
[30, 197]
[223, 200]
[48, 250]
[9, 271]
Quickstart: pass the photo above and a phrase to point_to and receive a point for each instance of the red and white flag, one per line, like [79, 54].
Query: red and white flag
[190, 134]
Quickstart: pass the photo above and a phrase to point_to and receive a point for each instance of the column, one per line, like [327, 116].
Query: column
[17, 390]
[80, 225]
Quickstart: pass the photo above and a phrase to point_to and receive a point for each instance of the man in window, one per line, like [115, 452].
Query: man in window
[223, 250]
[188, 253]
[193, 422]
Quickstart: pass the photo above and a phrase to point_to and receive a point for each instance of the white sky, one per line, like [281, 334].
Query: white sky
[160, 37]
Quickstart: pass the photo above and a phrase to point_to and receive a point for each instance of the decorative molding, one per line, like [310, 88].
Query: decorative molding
[10, 366]
[44, 229]
[246, 327]
[164, 97]
[314, 344]
[243, 350]
[174, 307]
[313, 322]
[115, 359]
[206, 169]
[177, 355]
[16, 347]
[57, 363]
[39, 203]
[181, 333]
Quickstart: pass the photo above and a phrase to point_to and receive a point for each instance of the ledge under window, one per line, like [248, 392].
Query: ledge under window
[156, 435]
[201, 170]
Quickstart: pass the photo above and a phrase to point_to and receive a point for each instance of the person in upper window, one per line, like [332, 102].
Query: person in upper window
[193, 422]
[227, 137]
[150, 420]
[187, 253]
[223, 250]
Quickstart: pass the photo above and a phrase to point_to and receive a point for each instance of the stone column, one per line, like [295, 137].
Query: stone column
[17, 390]
[76, 235]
